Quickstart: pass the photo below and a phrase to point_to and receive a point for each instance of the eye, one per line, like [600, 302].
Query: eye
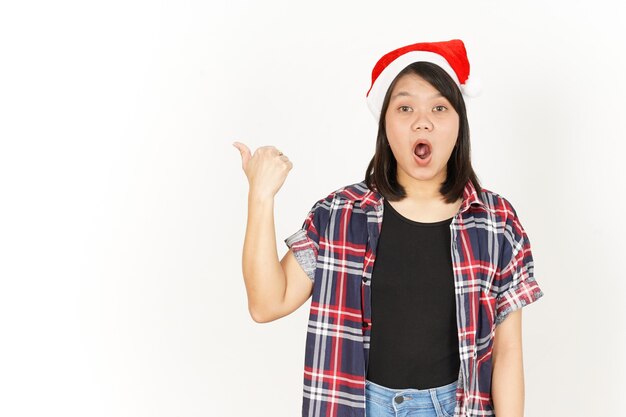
[401, 108]
[443, 107]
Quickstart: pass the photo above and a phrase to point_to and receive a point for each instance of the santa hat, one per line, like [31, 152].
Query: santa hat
[449, 55]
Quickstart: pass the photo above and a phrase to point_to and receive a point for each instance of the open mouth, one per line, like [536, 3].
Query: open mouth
[422, 150]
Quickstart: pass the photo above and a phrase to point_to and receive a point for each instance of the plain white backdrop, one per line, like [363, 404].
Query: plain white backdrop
[123, 203]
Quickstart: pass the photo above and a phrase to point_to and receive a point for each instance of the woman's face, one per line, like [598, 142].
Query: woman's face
[418, 111]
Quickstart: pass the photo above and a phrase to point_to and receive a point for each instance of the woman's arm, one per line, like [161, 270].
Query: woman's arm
[263, 274]
[507, 383]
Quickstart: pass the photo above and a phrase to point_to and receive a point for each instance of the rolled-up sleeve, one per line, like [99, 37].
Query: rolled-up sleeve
[304, 243]
[515, 283]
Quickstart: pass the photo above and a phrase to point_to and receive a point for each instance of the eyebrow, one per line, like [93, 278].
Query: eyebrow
[407, 94]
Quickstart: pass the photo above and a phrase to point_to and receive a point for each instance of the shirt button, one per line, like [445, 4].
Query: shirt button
[399, 399]
[365, 324]
[364, 279]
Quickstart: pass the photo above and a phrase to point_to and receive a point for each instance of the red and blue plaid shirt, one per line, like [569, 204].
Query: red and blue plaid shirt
[336, 246]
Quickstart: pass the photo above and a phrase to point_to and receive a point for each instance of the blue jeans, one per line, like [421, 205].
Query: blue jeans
[388, 402]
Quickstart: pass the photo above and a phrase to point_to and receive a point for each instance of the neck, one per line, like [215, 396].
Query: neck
[421, 190]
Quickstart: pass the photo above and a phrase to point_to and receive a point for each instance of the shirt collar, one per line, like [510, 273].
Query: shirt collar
[371, 199]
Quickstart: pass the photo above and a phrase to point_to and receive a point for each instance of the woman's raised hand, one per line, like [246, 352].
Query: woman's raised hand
[266, 170]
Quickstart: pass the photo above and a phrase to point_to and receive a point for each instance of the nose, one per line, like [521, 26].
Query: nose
[421, 123]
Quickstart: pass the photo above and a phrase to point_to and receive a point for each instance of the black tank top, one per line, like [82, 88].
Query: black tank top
[414, 339]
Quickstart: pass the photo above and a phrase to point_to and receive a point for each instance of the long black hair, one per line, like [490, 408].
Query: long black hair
[381, 172]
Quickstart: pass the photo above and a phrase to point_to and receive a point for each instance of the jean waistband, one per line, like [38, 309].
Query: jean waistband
[390, 393]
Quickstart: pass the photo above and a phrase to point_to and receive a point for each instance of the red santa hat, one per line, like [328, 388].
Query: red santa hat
[449, 55]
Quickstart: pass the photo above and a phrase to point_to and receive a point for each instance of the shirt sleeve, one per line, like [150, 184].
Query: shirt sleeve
[515, 283]
[304, 243]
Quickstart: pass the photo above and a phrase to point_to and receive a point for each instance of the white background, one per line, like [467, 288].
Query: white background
[123, 203]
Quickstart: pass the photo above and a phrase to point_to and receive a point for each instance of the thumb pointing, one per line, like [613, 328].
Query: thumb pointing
[245, 153]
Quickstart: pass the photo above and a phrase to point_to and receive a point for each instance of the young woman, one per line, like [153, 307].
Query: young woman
[410, 270]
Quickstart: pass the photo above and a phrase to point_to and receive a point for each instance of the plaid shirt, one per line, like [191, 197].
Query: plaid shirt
[336, 246]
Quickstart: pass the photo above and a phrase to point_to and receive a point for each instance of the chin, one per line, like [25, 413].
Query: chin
[424, 173]
[423, 177]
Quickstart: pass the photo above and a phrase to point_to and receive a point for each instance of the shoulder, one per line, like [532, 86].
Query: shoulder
[343, 197]
[497, 203]
[351, 192]
[507, 221]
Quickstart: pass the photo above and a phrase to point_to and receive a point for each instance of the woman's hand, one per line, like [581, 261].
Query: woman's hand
[266, 170]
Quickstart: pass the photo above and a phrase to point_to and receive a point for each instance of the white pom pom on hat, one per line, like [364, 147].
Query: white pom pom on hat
[473, 87]
[449, 55]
